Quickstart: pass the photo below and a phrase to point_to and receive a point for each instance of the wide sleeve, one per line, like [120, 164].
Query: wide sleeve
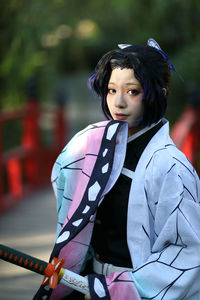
[172, 270]
[66, 173]
[116, 286]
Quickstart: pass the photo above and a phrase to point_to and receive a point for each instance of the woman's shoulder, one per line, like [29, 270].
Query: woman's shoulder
[170, 157]
[76, 146]
[91, 128]
[163, 153]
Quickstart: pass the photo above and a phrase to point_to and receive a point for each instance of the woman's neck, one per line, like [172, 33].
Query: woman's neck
[134, 129]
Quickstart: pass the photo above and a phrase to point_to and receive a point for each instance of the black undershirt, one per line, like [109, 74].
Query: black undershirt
[109, 239]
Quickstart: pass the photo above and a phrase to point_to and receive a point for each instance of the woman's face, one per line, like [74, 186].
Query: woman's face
[124, 98]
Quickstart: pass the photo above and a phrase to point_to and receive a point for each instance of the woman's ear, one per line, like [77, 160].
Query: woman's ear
[164, 91]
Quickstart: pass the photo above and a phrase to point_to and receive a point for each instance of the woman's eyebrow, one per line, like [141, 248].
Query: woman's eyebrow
[128, 83]
[131, 83]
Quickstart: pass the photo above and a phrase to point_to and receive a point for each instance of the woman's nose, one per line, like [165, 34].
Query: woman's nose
[120, 101]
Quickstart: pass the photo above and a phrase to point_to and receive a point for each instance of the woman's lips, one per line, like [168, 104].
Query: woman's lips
[121, 116]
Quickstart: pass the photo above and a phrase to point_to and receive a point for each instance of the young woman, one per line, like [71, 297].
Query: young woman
[128, 199]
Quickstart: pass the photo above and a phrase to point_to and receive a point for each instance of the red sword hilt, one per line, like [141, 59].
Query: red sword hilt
[50, 271]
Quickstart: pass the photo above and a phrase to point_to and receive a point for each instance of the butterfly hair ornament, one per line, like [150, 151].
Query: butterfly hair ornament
[152, 43]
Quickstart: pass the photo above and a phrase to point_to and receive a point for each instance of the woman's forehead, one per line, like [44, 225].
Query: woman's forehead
[123, 76]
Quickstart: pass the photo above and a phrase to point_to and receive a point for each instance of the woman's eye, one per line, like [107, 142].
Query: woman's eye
[111, 91]
[133, 92]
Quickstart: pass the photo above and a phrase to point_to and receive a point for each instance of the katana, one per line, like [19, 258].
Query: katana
[53, 272]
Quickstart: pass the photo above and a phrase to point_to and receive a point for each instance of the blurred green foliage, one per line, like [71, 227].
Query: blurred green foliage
[48, 38]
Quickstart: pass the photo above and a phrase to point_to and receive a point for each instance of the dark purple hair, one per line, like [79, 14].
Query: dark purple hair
[150, 69]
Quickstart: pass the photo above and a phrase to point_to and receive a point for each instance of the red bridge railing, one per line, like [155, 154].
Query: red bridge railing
[27, 167]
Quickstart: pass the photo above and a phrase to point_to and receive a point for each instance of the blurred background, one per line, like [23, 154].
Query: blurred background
[60, 41]
[48, 49]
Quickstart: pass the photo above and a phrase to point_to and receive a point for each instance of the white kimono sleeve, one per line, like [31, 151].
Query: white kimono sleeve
[172, 271]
